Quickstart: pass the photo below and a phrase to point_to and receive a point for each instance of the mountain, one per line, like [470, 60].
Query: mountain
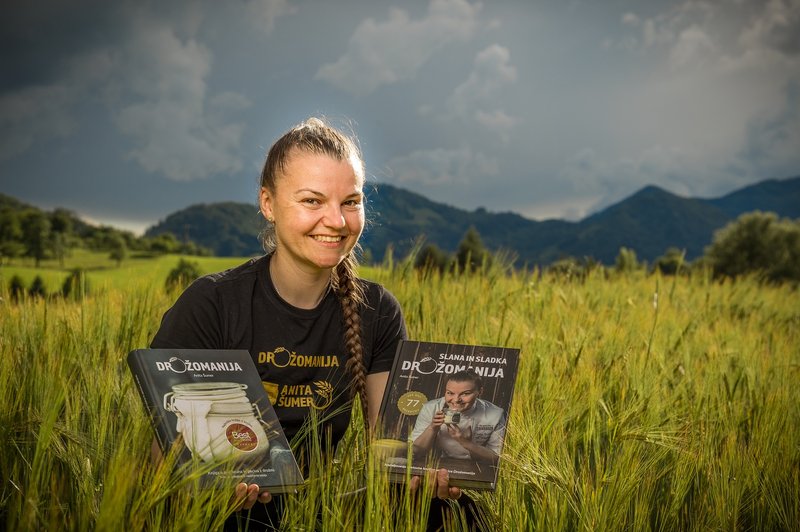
[649, 222]
[781, 196]
[228, 228]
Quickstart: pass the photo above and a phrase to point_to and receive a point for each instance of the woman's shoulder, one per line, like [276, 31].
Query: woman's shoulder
[377, 295]
[245, 272]
[214, 286]
[248, 269]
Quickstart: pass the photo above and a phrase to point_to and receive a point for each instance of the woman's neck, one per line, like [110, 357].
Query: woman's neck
[299, 288]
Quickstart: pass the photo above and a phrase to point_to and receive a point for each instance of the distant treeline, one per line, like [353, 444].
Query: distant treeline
[757, 243]
[26, 231]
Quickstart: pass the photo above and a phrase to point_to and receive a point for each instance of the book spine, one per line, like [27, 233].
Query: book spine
[147, 394]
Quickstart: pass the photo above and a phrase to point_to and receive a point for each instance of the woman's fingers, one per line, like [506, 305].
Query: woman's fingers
[441, 484]
[246, 496]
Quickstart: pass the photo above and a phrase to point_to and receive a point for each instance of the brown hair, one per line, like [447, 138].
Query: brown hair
[466, 375]
[316, 136]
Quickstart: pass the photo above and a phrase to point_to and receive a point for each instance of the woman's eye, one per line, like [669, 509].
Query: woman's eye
[311, 201]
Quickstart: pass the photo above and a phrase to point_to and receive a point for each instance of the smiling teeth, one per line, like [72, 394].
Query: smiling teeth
[327, 238]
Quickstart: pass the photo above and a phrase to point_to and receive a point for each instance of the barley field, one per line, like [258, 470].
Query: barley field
[642, 403]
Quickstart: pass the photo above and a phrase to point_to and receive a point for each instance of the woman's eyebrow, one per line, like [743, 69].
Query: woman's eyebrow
[310, 191]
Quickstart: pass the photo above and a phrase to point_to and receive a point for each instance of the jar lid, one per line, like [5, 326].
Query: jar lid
[206, 387]
[230, 408]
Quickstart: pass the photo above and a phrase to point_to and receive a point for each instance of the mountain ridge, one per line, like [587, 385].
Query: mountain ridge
[648, 221]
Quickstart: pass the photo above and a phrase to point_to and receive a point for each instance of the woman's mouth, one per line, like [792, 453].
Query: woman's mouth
[328, 239]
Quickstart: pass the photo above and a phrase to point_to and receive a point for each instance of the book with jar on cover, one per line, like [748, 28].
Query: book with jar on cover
[212, 406]
[446, 406]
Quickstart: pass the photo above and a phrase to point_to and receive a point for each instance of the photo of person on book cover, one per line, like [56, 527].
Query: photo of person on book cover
[446, 407]
[460, 425]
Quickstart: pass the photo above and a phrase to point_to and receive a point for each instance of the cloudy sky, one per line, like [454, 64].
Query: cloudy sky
[126, 111]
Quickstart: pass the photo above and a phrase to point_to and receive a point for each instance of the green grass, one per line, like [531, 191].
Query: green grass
[104, 273]
[628, 414]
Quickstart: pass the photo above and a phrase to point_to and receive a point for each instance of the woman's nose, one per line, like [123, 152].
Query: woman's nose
[334, 217]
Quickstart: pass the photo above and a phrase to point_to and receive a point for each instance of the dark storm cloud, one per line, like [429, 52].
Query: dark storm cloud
[37, 39]
[549, 108]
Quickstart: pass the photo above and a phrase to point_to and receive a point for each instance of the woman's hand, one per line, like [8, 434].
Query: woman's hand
[437, 420]
[459, 434]
[246, 496]
[441, 484]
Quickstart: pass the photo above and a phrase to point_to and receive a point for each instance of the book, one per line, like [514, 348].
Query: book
[213, 406]
[446, 406]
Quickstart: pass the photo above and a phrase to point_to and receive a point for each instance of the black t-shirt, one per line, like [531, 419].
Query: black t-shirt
[300, 354]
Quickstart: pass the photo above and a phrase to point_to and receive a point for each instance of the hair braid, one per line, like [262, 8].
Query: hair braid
[351, 297]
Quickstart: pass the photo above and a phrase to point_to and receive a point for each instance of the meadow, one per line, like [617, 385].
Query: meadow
[642, 403]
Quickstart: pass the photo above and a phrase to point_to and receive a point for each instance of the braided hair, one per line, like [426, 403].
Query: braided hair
[316, 136]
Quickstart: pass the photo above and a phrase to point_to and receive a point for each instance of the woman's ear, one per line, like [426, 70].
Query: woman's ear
[265, 204]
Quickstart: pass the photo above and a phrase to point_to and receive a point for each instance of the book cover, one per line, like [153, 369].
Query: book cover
[213, 403]
[446, 406]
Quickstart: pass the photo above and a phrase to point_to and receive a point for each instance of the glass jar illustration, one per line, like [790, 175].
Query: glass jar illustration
[217, 420]
[451, 417]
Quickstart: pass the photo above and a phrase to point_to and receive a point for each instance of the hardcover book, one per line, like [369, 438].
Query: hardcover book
[446, 406]
[211, 404]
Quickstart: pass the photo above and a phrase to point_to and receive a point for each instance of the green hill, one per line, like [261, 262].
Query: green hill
[649, 222]
[229, 229]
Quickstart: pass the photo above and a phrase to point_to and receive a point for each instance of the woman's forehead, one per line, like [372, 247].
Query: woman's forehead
[460, 386]
[303, 164]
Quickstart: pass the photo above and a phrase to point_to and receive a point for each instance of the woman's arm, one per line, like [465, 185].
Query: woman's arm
[376, 385]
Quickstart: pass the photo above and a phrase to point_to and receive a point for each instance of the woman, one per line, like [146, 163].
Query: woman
[302, 300]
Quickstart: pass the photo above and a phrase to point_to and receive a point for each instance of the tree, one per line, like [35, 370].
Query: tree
[11, 235]
[471, 253]
[61, 222]
[76, 285]
[119, 250]
[16, 288]
[183, 274]
[431, 257]
[36, 231]
[38, 288]
[757, 242]
[626, 261]
[165, 243]
[671, 262]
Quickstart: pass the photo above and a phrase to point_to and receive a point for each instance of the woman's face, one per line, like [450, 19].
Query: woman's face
[318, 207]
[460, 396]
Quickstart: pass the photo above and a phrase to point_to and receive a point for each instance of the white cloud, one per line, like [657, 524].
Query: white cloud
[772, 139]
[496, 120]
[491, 71]
[264, 13]
[179, 132]
[154, 85]
[383, 53]
[693, 47]
[442, 166]
[588, 174]
[631, 19]
[476, 98]
[721, 82]
[776, 27]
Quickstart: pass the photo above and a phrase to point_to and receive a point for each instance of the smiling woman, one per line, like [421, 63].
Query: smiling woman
[303, 297]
